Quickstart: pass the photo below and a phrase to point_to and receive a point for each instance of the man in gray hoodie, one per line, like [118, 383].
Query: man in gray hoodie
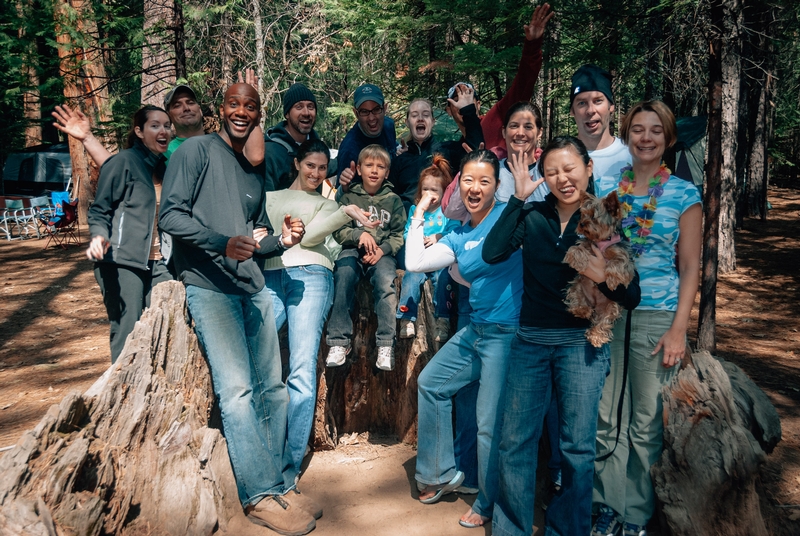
[213, 206]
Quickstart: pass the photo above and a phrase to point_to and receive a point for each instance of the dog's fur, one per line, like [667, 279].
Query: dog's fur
[600, 220]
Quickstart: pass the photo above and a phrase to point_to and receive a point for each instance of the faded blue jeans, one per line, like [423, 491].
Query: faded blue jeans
[577, 374]
[410, 292]
[301, 295]
[348, 271]
[237, 333]
[480, 353]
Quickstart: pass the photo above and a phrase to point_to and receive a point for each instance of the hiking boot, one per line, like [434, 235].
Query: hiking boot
[607, 524]
[337, 356]
[304, 503]
[441, 330]
[406, 329]
[385, 359]
[282, 516]
[634, 530]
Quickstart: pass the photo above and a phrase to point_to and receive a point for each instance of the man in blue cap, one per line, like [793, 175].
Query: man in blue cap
[372, 127]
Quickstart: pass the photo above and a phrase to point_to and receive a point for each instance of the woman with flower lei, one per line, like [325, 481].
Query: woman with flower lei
[660, 212]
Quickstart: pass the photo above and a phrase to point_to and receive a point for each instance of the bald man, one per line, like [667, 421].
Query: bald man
[213, 206]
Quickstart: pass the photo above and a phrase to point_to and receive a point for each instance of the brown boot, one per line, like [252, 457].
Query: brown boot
[281, 516]
[304, 503]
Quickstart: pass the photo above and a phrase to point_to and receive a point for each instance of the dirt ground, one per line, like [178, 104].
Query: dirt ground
[54, 338]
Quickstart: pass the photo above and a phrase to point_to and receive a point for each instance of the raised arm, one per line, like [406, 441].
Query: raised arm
[75, 124]
[506, 235]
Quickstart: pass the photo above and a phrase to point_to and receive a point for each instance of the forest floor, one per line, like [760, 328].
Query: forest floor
[54, 339]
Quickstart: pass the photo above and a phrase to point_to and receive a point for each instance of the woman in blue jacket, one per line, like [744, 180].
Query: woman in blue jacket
[123, 223]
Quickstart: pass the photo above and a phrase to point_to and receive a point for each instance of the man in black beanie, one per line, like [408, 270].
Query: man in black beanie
[591, 104]
[282, 140]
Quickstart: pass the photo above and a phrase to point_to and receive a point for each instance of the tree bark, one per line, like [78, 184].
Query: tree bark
[718, 424]
[134, 454]
[706, 332]
[357, 397]
[159, 56]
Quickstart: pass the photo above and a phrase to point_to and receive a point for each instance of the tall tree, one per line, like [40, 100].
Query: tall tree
[163, 51]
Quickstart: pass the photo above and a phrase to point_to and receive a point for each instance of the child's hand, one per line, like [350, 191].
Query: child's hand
[361, 216]
[367, 243]
[373, 258]
[431, 240]
[428, 199]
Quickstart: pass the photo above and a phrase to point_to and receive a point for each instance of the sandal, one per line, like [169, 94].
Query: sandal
[442, 489]
[468, 525]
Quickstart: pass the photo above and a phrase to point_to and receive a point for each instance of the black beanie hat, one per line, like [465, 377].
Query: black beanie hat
[591, 78]
[296, 93]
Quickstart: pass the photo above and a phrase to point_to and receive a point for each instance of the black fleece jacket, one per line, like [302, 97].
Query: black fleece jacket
[536, 228]
[404, 174]
[280, 150]
[124, 206]
[211, 194]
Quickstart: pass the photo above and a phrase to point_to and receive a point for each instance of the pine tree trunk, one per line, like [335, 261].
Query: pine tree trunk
[159, 56]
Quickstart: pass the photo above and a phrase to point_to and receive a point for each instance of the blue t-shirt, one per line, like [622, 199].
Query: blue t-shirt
[435, 223]
[496, 291]
[658, 276]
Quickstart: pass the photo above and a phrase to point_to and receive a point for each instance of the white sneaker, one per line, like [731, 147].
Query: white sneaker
[442, 330]
[385, 359]
[337, 356]
[407, 330]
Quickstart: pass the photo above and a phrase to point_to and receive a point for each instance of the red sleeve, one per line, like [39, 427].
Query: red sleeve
[521, 90]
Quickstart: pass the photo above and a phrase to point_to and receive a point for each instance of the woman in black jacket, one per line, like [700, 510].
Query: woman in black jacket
[122, 221]
[550, 352]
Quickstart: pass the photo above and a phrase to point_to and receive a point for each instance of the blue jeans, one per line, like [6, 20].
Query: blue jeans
[410, 292]
[237, 333]
[478, 352]
[578, 374]
[302, 295]
[348, 271]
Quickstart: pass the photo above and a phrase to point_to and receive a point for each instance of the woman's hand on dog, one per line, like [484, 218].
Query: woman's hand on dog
[596, 269]
[523, 185]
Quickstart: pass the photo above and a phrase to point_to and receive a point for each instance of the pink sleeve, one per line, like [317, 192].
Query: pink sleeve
[452, 205]
[521, 90]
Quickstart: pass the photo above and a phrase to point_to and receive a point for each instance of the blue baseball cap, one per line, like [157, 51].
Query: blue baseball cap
[367, 92]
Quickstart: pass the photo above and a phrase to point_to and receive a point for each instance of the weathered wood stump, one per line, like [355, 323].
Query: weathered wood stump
[718, 425]
[135, 453]
[357, 397]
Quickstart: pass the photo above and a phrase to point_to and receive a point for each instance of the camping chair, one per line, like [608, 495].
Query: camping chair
[43, 211]
[62, 228]
[27, 218]
[8, 218]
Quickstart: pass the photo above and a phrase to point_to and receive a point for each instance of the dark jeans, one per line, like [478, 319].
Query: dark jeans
[126, 293]
[348, 271]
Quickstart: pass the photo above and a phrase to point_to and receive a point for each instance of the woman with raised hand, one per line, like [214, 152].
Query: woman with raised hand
[123, 224]
[663, 219]
[301, 280]
[550, 355]
[478, 352]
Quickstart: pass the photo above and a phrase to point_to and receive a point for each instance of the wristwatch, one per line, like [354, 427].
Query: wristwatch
[281, 244]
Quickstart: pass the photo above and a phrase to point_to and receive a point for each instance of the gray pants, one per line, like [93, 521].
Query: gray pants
[126, 293]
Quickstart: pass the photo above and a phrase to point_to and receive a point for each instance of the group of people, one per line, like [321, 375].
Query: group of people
[244, 220]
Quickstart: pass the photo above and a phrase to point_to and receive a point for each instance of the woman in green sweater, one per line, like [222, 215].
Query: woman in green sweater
[301, 280]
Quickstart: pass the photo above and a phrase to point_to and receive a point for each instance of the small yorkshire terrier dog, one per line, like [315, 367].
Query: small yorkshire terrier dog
[600, 225]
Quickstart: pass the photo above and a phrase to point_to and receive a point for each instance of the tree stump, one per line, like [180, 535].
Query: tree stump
[135, 453]
[718, 424]
[358, 397]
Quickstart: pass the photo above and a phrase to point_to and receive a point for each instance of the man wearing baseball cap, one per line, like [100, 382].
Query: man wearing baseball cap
[186, 115]
[282, 140]
[372, 127]
[591, 104]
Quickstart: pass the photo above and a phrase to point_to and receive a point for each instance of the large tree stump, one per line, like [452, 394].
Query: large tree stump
[135, 453]
[358, 397]
[717, 426]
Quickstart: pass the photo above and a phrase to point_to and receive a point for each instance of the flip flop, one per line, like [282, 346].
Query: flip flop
[443, 489]
[468, 525]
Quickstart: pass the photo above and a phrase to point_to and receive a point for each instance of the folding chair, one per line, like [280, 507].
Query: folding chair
[62, 228]
[27, 219]
[43, 211]
[8, 218]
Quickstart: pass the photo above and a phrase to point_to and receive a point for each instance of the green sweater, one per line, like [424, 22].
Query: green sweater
[321, 217]
[385, 207]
